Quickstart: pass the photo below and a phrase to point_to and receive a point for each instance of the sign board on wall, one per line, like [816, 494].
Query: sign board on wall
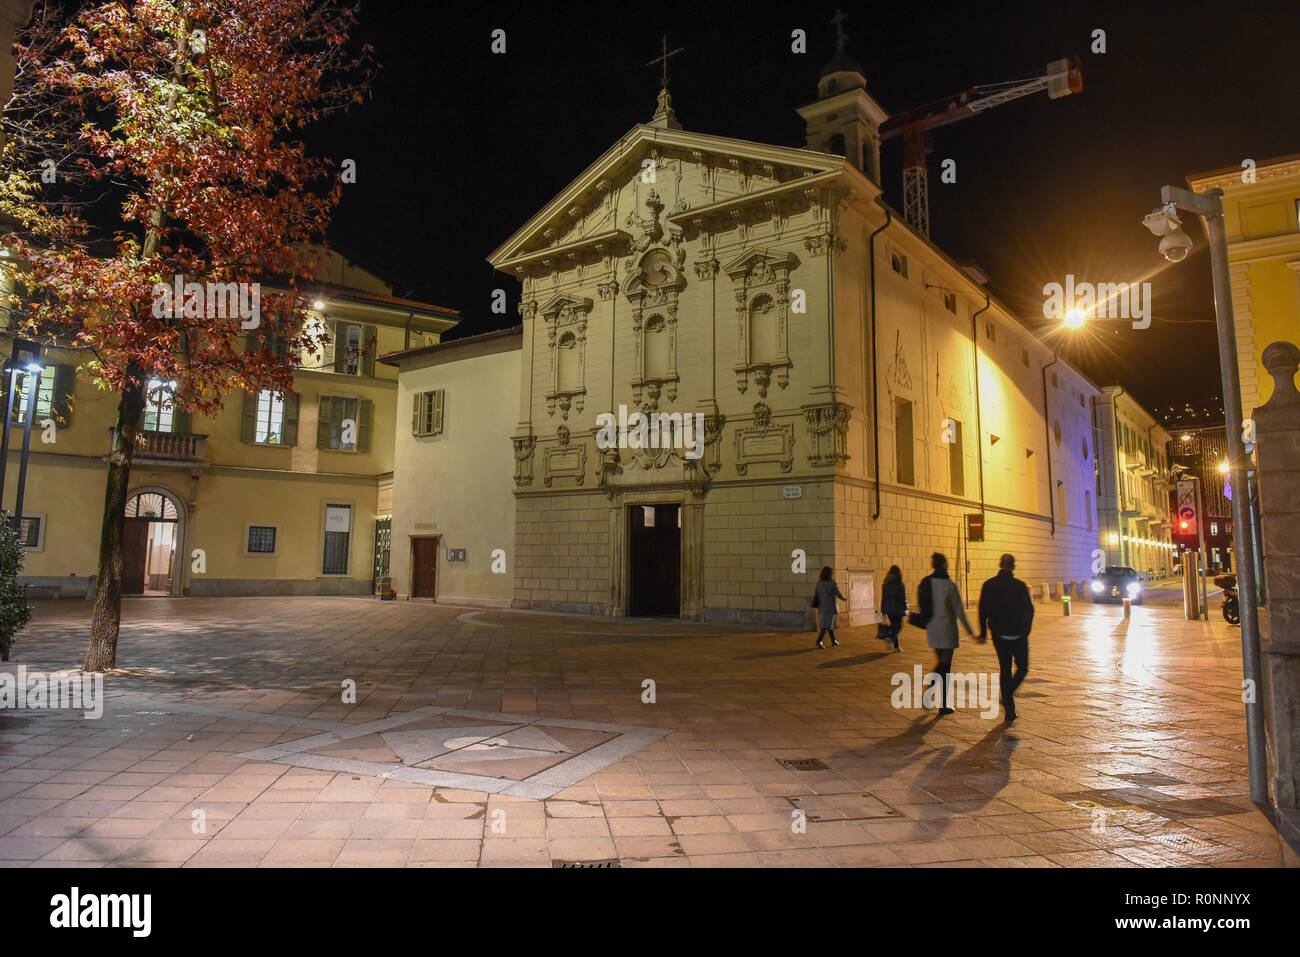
[338, 518]
[974, 527]
[862, 598]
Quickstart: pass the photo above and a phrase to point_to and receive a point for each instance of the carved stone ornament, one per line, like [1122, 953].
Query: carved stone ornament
[764, 442]
[828, 430]
[525, 446]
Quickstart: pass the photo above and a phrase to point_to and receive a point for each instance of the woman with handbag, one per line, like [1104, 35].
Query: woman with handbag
[941, 609]
[824, 601]
[893, 605]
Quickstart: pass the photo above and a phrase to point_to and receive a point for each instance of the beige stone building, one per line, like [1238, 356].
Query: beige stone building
[453, 529]
[860, 394]
[271, 496]
[1134, 481]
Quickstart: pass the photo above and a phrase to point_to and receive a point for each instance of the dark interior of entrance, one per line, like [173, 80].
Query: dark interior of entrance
[654, 560]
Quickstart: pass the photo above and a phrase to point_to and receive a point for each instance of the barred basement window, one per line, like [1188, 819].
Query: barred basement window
[261, 539]
[338, 539]
[29, 531]
[426, 417]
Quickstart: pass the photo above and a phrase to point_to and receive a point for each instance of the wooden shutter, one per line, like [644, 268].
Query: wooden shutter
[65, 386]
[338, 351]
[365, 413]
[417, 400]
[436, 398]
[370, 343]
[249, 430]
[182, 423]
[290, 437]
[323, 424]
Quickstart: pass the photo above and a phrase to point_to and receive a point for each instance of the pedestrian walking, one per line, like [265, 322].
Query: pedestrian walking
[893, 605]
[1007, 611]
[941, 609]
[824, 601]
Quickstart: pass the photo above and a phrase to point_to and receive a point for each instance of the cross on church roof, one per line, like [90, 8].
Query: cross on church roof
[840, 35]
[663, 58]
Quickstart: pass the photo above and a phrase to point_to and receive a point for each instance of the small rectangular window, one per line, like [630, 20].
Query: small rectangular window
[261, 539]
[30, 531]
[989, 332]
[1024, 356]
[427, 413]
[950, 302]
[1214, 528]
[903, 451]
[899, 264]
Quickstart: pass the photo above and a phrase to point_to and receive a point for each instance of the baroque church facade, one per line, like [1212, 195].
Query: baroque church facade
[861, 393]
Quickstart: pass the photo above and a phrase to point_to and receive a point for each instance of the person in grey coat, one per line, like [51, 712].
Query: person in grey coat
[824, 599]
[941, 609]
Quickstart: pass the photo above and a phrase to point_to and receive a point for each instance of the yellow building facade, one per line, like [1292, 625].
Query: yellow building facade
[273, 495]
[1261, 211]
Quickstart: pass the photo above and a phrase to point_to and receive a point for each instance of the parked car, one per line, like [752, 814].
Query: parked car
[1116, 583]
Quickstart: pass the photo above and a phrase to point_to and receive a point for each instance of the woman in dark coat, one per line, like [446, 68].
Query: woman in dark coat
[893, 604]
[826, 593]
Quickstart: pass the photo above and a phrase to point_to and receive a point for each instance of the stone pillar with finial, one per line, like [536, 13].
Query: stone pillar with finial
[1277, 454]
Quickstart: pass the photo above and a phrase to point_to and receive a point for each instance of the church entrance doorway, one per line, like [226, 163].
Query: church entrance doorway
[654, 560]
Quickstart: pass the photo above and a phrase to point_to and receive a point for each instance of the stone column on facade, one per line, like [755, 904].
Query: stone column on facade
[1277, 452]
[617, 605]
[693, 561]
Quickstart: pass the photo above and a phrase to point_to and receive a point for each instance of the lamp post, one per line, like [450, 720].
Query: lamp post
[26, 357]
[1174, 246]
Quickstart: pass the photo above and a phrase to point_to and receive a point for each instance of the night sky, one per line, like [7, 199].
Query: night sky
[459, 147]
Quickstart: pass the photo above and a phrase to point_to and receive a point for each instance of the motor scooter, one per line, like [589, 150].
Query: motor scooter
[1231, 606]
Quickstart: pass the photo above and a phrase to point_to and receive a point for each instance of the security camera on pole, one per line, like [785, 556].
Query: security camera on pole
[1174, 246]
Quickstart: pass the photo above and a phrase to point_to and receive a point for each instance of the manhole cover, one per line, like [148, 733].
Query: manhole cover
[612, 862]
[826, 808]
[1182, 840]
[1084, 805]
[802, 764]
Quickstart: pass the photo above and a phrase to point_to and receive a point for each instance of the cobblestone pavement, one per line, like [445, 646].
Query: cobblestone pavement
[1129, 751]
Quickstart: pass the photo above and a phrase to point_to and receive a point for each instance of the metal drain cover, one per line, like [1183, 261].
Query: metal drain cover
[611, 862]
[802, 764]
[828, 808]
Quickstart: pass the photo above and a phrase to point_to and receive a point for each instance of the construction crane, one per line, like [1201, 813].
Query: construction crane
[1061, 78]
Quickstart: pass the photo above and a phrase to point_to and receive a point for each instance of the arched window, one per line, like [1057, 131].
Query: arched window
[566, 363]
[151, 505]
[836, 144]
[656, 348]
[762, 331]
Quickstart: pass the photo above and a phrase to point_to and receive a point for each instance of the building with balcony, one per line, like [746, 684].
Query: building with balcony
[1133, 485]
[273, 495]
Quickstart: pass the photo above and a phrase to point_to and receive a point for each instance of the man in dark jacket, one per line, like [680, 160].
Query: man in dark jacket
[1007, 611]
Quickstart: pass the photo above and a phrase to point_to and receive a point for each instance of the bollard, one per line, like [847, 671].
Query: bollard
[1065, 605]
[1128, 608]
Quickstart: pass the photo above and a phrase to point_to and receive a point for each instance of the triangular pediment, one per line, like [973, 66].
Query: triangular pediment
[564, 301]
[743, 264]
[577, 220]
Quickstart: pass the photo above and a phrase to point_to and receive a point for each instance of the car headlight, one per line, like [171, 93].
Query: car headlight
[1133, 589]
[1097, 586]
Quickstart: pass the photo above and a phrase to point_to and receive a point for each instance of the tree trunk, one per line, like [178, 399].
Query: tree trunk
[106, 619]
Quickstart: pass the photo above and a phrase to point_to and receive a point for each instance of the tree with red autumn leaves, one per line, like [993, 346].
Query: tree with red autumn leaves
[172, 125]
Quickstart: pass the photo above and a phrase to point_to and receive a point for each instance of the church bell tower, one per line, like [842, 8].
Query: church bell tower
[844, 119]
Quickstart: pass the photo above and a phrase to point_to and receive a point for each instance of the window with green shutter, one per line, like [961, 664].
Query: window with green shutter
[426, 413]
[270, 418]
[345, 424]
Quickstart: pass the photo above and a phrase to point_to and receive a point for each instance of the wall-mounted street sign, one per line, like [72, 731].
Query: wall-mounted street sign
[792, 491]
[974, 527]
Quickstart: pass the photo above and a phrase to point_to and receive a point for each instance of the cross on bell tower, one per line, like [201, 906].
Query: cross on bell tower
[664, 116]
